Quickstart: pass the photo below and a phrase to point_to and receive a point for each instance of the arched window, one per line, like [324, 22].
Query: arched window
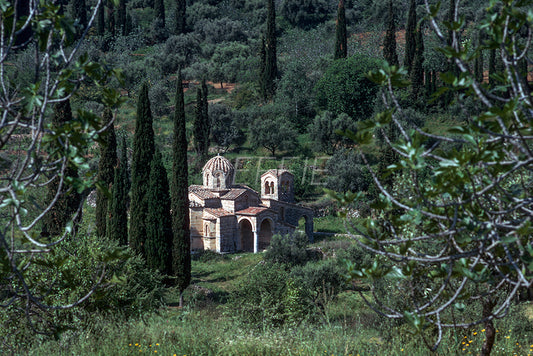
[217, 181]
[206, 232]
[271, 187]
[207, 179]
[267, 188]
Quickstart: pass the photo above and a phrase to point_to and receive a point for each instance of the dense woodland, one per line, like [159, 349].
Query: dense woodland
[405, 161]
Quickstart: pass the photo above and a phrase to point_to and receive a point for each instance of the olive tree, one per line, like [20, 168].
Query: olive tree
[36, 154]
[453, 233]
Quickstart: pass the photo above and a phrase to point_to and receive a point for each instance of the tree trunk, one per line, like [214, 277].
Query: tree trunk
[490, 331]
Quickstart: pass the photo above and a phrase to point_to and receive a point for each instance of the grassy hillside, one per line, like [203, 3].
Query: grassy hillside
[209, 324]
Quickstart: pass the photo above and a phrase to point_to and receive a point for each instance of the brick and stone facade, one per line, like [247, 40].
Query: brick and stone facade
[227, 217]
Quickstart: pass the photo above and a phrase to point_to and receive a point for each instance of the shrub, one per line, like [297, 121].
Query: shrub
[321, 281]
[259, 298]
[344, 88]
[129, 288]
[288, 249]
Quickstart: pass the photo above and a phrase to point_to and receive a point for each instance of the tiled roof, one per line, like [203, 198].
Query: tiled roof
[233, 194]
[219, 163]
[217, 212]
[276, 172]
[253, 210]
[201, 192]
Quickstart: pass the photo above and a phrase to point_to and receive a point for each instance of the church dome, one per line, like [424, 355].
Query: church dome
[218, 173]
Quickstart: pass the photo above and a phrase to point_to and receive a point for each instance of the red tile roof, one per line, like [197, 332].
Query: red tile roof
[201, 192]
[253, 210]
[219, 212]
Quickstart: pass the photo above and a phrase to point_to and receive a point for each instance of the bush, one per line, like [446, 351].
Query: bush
[129, 288]
[259, 298]
[321, 280]
[288, 249]
[347, 172]
[344, 87]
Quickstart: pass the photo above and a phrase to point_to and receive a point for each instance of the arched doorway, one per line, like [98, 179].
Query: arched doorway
[247, 236]
[265, 234]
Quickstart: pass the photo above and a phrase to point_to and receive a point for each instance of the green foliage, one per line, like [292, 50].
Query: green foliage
[410, 37]
[159, 10]
[143, 151]
[389, 43]
[259, 301]
[118, 206]
[417, 70]
[221, 30]
[180, 19]
[181, 243]
[80, 13]
[158, 244]
[273, 133]
[344, 87]
[269, 69]
[295, 91]
[325, 131]
[341, 38]
[122, 22]
[128, 286]
[228, 62]
[106, 165]
[288, 249]
[305, 15]
[179, 51]
[347, 172]
[451, 231]
[64, 201]
[201, 123]
[42, 153]
[321, 281]
[225, 129]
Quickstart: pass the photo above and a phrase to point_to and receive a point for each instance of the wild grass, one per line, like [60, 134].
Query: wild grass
[208, 326]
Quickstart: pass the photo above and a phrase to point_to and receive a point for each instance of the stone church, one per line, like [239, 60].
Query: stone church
[227, 217]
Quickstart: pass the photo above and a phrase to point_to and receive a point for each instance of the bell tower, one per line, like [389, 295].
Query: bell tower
[278, 184]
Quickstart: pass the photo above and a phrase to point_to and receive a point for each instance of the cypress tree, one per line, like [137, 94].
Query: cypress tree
[389, 43]
[478, 62]
[410, 37]
[181, 243]
[143, 151]
[158, 246]
[68, 201]
[100, 20]
[80, 12]
[110, 12]
[181, 9]
[106, 165]
[449, 95]
[118, 207]
[341, 39]
[159, 9]
[270, 67]
[417, 72]
[122, 18]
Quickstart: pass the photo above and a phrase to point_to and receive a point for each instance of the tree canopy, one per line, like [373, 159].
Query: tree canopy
[454, 230]
[344, 87]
